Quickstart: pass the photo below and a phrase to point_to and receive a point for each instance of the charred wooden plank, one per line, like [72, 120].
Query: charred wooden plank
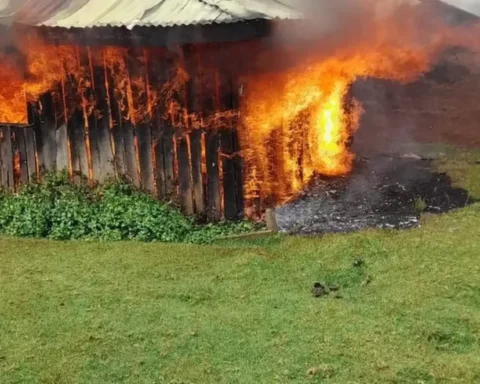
[144, 137]
[100, 139]
[230, 198]
[197, 179]
[229, 176]
[6, 158]
[128, 138]
[76, 127]
[76, 137]
[116, 125]
[194, 96]
[141, 116]
[30, 154]
[156, 72]
[45, 135]
[184, 175]
[20, 148]
[62, 159]
[213, 194]
[238, 168]
[159, 156]
[169, 161]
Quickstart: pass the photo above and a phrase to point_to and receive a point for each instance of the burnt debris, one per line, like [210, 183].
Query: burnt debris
[382, 192]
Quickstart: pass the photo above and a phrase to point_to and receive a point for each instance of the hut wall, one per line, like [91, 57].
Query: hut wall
[145, 122]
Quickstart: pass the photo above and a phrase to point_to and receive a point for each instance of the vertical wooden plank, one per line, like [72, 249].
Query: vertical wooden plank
[169, 160]
[213, 195]
[88, 110]
[238, 167]
[184, 179]
[116, 123]
[119, 98]
[229, 178]
[102, 152]
[196, 158]
[30, 154]
[45, 133]
[194, 94]
[62, 156]
[137, 63]
[127, 132]
[231, 210]
[6, 158]
[20, 145]
[48, 132]
[76, 127]
[157, 77]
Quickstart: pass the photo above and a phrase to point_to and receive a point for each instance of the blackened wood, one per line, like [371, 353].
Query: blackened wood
[157, 75]
[45, 135]
[19, 138]
[88, 102]
[194, 96]
[137, 65]
[116, 129]
[169, 160]
[155, 37]
[128, 136]
[100, 141]
[123, 130]
[76, 128]
[62, 155]
[144, 136]
[184, 176]
[213, 195]
[76, 136]
[6, 158]
[231, 210]
[238, 167]
[62, 147]
[196, 158]
[159, 155]
[229, 179]
[30, 154]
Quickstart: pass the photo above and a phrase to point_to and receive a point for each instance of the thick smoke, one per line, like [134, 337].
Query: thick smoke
[399, 116]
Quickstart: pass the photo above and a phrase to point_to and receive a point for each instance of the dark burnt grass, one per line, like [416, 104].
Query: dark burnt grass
[382, 192]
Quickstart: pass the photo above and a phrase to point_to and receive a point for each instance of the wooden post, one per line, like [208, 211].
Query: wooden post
[116, 121]
[20, 146]
[30, 153]
[137, 65]
[100, 140]
[45, 133]
[213, 195]
[61, 135]
[194, 94]
[6, 158]
[185, 185]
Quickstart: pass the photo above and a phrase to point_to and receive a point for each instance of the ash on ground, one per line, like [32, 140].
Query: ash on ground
[384, 192]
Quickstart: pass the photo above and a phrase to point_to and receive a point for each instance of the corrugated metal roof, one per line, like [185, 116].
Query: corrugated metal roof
[471, 6]
[130, 13]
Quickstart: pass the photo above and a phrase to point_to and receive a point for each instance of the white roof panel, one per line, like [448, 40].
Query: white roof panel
[130, 13]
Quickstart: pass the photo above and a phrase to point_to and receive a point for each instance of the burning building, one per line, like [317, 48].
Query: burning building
[226, 107]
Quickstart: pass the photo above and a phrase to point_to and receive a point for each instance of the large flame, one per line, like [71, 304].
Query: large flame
[294, 114]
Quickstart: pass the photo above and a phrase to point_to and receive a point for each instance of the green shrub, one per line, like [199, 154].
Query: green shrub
[61, 210]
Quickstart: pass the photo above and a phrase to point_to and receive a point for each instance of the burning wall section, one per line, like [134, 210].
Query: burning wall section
[224, 129]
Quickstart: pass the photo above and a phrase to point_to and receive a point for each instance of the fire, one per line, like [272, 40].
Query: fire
[294, 117]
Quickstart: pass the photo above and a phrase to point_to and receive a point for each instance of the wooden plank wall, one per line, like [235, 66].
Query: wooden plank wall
[93, 129]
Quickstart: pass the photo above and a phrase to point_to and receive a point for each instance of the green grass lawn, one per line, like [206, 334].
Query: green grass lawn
[242, 312]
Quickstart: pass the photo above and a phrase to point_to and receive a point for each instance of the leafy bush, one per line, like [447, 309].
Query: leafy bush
[61, 210]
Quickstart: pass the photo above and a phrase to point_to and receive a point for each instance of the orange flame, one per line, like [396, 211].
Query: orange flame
[293, 122]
